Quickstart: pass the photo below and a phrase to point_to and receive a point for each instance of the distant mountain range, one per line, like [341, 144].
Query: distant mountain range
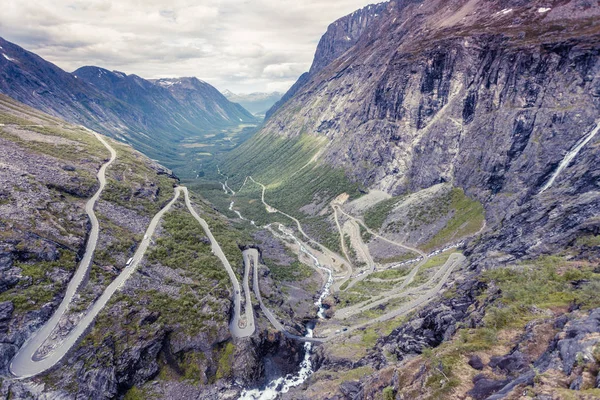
[123, 106]
[257, 103]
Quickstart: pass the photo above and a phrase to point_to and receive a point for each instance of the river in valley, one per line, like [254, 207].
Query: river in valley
[283, 384]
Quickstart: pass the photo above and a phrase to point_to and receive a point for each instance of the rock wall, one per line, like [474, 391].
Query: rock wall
[340, 37]
[487, 95]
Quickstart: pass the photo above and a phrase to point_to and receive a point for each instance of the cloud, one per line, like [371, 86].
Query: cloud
[241, 45]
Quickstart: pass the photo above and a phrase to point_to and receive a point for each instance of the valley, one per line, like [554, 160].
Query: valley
[344, 275]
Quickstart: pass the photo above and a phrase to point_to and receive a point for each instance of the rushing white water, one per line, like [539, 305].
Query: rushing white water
[570, 156]
[283, 384]
[325, 292]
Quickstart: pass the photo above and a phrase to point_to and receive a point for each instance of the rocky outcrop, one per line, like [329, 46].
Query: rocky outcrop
[438, 322]
[344, 33]
[339, 38]
[489, 96]
[570, 356]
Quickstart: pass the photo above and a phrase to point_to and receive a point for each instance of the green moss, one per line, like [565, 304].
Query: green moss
[8, 119]
[389, 393]
[467, 218]
[355, 374]
[538, 285]
[567, 394]
[320, 229]
[186, 248]
[135, 394]
[523, 290]
[395, 273]
[588, 241]
[230, 240]
[433, 262]
[129, 172]
[42, 289]
[366, 236]
[296, 271]
[376, 215]
[397, 259]
[191, 366]
[370, 337]
[442, 379]
[224, 369]
[349, 298]
[542, 284]
[123, 242]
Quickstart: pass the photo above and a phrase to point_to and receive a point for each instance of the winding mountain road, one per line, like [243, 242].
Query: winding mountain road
[423, 299]
[23, 363]
[239, 327]
[404, 246]
[251, 261]
[455, 260]
[341, 233]
[442, 274]
[413, 272]
[327, 253]
[26, 363]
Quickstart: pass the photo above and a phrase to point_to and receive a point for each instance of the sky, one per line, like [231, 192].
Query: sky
[240, 45]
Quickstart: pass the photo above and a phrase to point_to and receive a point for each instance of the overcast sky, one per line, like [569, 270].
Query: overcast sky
[241, 45]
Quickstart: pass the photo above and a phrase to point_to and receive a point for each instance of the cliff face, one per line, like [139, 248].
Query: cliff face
[341, 35]
[490, 96]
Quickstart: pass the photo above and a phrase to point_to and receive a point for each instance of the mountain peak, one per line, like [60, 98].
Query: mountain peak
[127, 107]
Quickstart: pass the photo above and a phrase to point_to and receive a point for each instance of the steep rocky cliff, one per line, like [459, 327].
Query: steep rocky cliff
[340, 37]
[487, 95]
[502, 100]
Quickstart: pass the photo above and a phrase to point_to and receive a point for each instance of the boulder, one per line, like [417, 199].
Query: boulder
[476, 363]
[350, 389]
[484, 387]
[7, 352]
[509, 364]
